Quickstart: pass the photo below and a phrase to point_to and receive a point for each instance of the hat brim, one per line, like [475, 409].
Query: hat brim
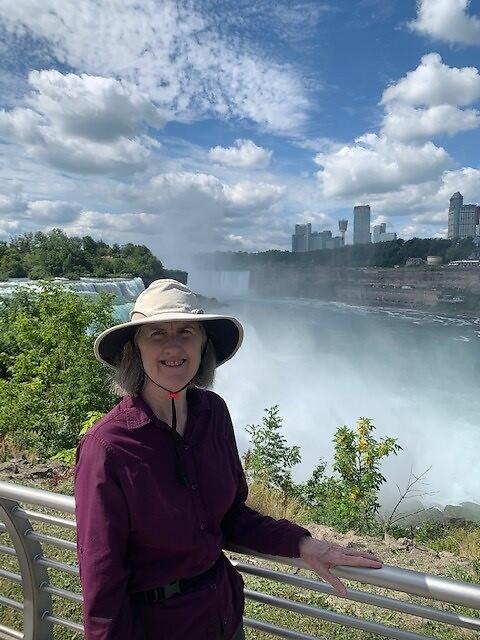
[225, 332]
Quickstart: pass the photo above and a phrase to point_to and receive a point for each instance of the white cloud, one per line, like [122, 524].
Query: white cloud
[197, 211]
[253, 194]
[91, 107]
[97, 222]
[171, 51]
[433, 83]
[447, 20]
[82, 123]
[243, 153]
[406, 123]
[12, 203]
[374, 164]
[21, 125]
[52, 211]
[186, 192]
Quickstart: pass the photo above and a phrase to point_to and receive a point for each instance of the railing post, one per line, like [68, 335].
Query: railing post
[36, 601]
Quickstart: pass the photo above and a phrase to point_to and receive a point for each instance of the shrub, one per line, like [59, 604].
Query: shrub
[270, 459]
[349, 499]
[49, 377]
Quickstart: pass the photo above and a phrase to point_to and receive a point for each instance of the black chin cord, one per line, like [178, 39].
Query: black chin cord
[179, 468]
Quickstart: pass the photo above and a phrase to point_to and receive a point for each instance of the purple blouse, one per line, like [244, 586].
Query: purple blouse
[139, 528]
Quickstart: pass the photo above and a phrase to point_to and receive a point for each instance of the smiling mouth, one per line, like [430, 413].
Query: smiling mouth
[172, 364]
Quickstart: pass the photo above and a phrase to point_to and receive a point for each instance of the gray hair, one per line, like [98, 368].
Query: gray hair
[129, 376]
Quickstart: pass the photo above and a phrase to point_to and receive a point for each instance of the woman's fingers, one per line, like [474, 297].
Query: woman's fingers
[337, 584]
[359, 561]
[363, 554]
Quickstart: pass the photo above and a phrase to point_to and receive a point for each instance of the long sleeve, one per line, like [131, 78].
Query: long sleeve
[246, 527]
[102, 535]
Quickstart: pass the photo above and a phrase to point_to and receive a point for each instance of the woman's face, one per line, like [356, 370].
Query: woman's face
[171, 352]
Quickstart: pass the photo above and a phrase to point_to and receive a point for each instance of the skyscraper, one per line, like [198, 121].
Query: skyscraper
[342, 227]
[456, 202]
[380, 233]
[301, 237]
[361, 224]
[462, 218]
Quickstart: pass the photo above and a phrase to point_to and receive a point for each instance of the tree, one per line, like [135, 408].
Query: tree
[349, 499]
[49, 377]
[270, 459]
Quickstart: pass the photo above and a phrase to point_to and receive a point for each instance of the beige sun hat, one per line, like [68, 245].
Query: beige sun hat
[165, 301]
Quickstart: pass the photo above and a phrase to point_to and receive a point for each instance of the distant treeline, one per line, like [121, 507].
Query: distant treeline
[54, 254]
[381, 254]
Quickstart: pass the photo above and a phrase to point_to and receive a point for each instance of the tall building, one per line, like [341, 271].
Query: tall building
[301, 237]
[456, 201]
[462, 218]
[361, 224]
[342, 227]
[468, 220]
[380, 233]
[319, 239]
[304, 239]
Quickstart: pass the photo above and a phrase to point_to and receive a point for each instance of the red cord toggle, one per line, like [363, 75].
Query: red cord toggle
[173, 394]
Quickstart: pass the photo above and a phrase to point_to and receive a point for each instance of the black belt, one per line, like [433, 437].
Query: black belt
[184, 585]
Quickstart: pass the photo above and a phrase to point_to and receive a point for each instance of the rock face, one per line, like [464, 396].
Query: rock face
[21, 470]
[445, 289]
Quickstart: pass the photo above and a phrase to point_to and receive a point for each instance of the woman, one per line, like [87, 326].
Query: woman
[160, 489]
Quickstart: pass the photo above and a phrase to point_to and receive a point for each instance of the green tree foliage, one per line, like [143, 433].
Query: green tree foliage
[67, 456]
[49, 378]
[270, 459]
[346, 500]
[54, 254]
[462, 249]
[349, 499]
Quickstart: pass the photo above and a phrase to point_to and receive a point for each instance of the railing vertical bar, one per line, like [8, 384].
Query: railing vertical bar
[36, 603]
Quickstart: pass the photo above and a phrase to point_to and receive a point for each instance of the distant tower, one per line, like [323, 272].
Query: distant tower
[301, 237]
[342, 227]
[456, 201]
[361, 224]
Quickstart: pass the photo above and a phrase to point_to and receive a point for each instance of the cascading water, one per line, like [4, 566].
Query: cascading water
[125, 290]
[225, 284]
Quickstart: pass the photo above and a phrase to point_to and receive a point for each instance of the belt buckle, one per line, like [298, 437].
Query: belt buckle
[171, 589]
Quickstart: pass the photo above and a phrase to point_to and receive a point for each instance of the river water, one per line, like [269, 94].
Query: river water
[327, 364]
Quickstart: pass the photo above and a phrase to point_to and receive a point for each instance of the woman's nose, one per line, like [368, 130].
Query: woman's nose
[171, 341]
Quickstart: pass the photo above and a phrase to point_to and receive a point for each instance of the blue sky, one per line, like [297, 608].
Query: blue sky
[207, 125]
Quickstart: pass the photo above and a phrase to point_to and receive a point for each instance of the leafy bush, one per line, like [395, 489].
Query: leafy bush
[346, 500]
[67, 456]
[349, 499]
[49, 377]
[270, 459]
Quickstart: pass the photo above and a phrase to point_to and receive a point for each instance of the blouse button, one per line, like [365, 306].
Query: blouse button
[202, 526]
[186, 447]
[194, 487]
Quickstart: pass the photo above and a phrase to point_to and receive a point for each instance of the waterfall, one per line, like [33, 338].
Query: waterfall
[225, 284]
[125, 290]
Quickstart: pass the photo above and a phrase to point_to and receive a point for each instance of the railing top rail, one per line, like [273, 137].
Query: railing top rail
[405, 580]
[388, 577]
[39, 497]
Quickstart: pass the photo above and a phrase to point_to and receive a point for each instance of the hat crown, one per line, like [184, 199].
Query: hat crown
[165, 296]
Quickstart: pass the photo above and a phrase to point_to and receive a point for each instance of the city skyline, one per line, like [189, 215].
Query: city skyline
[246, 120]
[463, 222]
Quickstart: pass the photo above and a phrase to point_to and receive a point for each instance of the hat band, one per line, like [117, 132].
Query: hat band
[138, 315]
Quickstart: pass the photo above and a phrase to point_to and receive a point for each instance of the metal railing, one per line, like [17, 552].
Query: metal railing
[38, 592]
